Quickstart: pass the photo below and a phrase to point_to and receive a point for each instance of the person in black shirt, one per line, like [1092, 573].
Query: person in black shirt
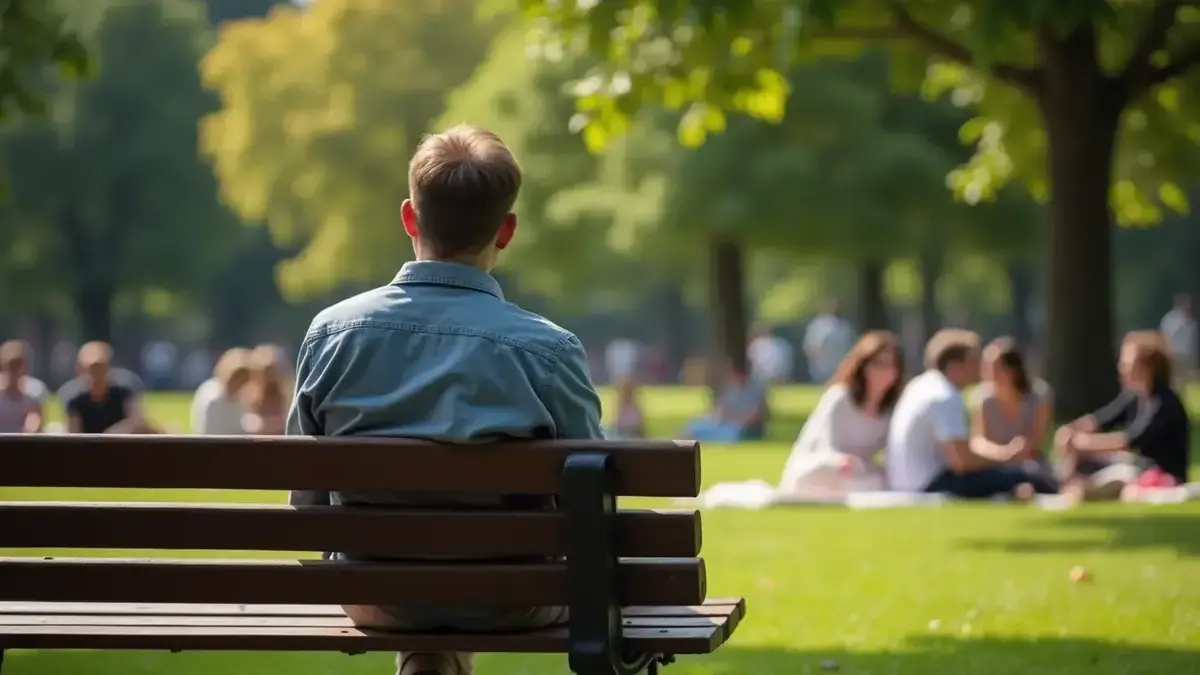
[101, 399]
[1147, 418]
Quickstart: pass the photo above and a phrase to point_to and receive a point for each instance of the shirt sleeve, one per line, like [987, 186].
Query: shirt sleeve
[72, 403]
[1116, 412]
[200, 405]
[838, 418]
[949, 418]
[1043, 392]
[1149, 422]
[980, 396]
[570, 396]
[35, 389]
[302, 419]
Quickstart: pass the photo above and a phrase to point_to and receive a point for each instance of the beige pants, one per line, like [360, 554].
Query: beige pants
[449, 663]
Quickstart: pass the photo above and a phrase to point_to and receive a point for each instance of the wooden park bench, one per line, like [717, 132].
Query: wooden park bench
[631, 579]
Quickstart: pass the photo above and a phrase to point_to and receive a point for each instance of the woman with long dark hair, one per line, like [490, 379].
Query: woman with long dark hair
[837, 449]
[1011, 404]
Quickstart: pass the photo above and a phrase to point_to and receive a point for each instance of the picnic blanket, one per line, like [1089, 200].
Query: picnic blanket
[758, 494]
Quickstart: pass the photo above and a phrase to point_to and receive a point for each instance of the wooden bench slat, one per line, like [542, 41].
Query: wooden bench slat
[654, 640]
[644, 468]
[711, 607]
[667, 581]
[374, 531]
[279, 621]
[651, 634]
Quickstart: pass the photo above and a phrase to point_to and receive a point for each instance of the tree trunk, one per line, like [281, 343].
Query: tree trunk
[728, 310]
[93, 306]
[1020, 289]
[930, 268]
[1080, 109]
[872, 307]
[673, 312]
[42, 330]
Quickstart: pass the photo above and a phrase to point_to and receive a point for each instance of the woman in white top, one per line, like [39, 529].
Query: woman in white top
[216, 409]
[837, 449]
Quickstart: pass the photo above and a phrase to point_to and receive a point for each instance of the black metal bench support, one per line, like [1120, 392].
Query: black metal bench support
[589, 503]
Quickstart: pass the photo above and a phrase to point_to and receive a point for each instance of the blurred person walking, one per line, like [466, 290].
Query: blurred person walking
[622, 357]
[827, 341]
[771, 357]
[1179, 328]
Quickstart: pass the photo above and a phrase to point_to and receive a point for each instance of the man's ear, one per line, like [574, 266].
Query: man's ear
[408, 216]
[507, 229]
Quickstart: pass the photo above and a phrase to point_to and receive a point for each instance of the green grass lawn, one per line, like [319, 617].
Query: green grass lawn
[945, 591]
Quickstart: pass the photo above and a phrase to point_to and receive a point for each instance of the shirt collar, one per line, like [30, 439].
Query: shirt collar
[448, 274]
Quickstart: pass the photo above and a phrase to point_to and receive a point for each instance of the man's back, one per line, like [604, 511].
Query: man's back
[440, 355]
[927, 413]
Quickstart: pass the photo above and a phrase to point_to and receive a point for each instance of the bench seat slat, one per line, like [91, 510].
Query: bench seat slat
[177, 462]
[666, 581]
[372, 531]
[697, 633]
[279, 621]
[712, 607]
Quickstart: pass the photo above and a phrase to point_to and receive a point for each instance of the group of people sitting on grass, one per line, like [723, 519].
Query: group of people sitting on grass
[247, 394]
[873, 431]
[100, 399]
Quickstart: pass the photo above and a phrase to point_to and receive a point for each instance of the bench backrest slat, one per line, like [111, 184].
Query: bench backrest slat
[644, 468]
[368, 531]
[642, 582]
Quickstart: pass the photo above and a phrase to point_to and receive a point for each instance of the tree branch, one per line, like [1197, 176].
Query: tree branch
[1024, 78]
[1134, 77]
[1178, 65]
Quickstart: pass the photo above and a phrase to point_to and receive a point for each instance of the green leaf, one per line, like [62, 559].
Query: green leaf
[1174, 197]
[595, 137]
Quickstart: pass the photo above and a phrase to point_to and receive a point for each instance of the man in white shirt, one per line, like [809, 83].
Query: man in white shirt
[827, 340]
[621, 359]
[1179, 328]
[770, 357]
[929, 442]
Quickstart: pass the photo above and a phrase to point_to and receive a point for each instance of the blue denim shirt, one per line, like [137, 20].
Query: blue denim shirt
[439, 354]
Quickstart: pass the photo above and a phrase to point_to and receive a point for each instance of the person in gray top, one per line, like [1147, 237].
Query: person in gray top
[20, 403]
[1012, 406]
[439, 354]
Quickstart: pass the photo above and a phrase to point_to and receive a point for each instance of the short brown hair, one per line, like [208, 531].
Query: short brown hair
[1150, 351]
[852, 371]
[462, 183]
[950, 345]
[13, 353]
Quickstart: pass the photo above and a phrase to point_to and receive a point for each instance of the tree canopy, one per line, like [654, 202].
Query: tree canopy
[1088, 104]
[34, 34]
[322, 108]
[109, 198]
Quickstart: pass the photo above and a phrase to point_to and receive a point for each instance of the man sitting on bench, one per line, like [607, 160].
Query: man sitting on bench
[439, 354]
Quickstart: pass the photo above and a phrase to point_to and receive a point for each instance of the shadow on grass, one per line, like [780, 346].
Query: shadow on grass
[924, 655]
[1137, 530]
[944, 655]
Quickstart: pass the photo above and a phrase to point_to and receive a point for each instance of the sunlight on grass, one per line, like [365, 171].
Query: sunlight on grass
[957, 590]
